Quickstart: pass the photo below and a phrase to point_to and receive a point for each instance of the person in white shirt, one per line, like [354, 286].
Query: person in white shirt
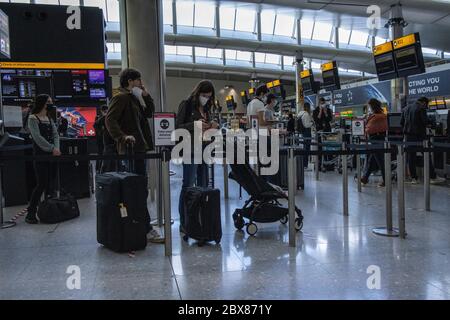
[256, 106]
[308, 123]
[269, 112]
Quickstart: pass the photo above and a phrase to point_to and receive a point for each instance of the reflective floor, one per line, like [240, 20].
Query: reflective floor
[337, 257]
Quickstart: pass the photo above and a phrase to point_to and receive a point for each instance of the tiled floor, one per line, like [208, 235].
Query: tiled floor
[330, 262]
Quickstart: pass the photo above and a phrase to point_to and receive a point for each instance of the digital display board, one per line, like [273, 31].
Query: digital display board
[330, 76]
[384, 61]
[308, 83]
[5, 50]
[230, 103]
[408, 55]
[80, 119]
[244, 98]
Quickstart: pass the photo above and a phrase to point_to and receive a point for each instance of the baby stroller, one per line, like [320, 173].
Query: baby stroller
[263, 205]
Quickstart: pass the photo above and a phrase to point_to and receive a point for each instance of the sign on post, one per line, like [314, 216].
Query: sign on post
[358, 127]
[164, 126]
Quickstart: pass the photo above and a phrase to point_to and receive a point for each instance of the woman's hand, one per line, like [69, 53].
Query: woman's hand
[214, 125]
[56, 152]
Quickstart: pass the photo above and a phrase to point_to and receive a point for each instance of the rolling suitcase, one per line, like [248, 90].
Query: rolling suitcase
[202, 219]
[122, 214]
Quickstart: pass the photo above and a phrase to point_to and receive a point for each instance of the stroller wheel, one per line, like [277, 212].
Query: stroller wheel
[284, 220]
[252, 229]
[185, 238]
[239, 223]
[298, 224]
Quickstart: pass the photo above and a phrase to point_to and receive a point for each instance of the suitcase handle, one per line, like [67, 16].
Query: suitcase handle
[130, 153]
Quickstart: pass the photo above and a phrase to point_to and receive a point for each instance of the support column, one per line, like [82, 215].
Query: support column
[258, 25]
[336, 38]
[300, 99]
[399, 91]
[142, 37]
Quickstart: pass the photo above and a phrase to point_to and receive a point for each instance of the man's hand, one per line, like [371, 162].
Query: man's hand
[144, 91]
[130, 139]
[56, 152]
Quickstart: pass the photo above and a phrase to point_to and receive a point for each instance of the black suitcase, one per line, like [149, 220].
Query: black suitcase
[122, 216]
[202, 218]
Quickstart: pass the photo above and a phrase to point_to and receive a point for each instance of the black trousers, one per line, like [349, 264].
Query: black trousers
[45, 176]
[412, 159]
[375, 161]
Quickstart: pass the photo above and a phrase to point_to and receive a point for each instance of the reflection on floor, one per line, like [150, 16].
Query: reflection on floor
[332, 260]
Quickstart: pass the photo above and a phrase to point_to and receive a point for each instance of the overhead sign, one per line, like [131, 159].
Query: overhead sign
[305, 73]
[308, 82]
[429, 85]
[408, 55]
[164, 126]
[384, 61]
[383, 48]
[330, 76]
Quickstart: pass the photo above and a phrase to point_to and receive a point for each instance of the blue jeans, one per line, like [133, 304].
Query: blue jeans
[193, 175]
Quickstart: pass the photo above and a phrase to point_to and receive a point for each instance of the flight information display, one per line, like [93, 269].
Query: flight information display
[384, 61]
[408, 55]
[307, 81]
[330, 76]
[5, 50]
[85, 86]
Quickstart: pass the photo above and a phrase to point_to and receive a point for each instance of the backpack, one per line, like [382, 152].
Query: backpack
[300, 126]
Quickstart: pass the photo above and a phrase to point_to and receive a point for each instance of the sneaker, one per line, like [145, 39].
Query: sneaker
[437, 180]
[364, 181]
[154, 237]
[381, 185]
[413, 181]
[31, 219]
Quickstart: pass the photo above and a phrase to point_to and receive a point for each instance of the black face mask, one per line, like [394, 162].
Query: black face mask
[50, 105]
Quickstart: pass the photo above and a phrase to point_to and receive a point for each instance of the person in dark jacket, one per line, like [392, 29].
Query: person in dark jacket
[45, 142]
[323, 116]
[100, 128]
[127, 123]
[195, 108]
[62, 124]
[415, 122]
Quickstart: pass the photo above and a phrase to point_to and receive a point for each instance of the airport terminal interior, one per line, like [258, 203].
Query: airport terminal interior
[353, 95]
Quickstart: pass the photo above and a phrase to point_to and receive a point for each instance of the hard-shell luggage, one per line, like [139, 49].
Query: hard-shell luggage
[122, 218]
[281, 178]
[202, 218]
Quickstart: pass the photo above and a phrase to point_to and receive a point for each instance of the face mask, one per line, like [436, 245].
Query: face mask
[137, 91]
[50, 105]
[203, 101]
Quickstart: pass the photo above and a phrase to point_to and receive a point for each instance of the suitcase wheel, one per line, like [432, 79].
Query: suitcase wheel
[201, 243]
[239, 223]
[284, 220]
[185, 238]
[252, 229]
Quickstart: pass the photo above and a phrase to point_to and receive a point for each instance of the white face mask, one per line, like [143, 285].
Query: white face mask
[203, 101]
[264, 99]
[137, 91]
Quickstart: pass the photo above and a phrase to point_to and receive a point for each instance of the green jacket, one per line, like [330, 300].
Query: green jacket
[126, 117]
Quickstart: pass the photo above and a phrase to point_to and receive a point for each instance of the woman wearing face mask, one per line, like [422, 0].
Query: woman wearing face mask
[191, 112]
[45, 142]
[376, 127]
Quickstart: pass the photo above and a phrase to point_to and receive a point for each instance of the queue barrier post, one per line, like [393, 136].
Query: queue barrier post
[401, 191]
[344, 180]
[291, 196]
[426, 176]
[389, 230]
[165, 170]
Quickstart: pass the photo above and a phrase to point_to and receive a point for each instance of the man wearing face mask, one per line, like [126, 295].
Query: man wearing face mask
[323, 116]
[127, 123]
[256, 107]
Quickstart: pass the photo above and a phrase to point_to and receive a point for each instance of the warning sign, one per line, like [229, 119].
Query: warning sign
[164, 126]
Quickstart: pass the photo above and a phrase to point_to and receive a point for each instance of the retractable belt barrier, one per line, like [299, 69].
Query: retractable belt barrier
[387, 148]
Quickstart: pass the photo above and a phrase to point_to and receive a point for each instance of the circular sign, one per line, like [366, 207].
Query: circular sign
[164, 124]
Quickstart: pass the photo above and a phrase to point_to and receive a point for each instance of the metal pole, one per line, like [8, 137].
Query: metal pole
[401, 190]
[225, 177]
[167, 208]
[316, 157]
[426, 176]
[344, 181]
[291, 196]
[358, 171]
[3, 225]
[388, 231]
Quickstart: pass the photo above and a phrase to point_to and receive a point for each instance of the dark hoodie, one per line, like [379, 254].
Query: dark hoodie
[415, 121]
